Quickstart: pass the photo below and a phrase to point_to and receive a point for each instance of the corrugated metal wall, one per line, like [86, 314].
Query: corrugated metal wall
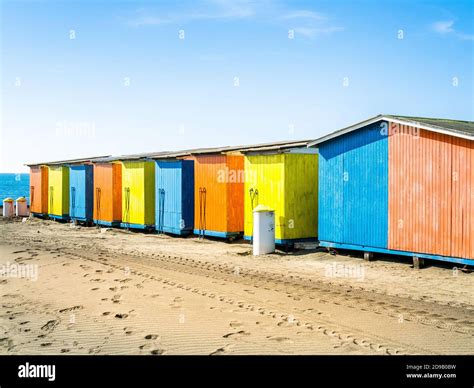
[108, 192]
[288, 184]
[138, 192]
[353, 188]
[218, 203]
[58, 193]
[39, 189]
[174, 196]
[210, 207]
[81, 192]
[431, 193]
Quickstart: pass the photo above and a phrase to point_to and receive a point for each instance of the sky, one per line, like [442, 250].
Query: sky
[89, 78]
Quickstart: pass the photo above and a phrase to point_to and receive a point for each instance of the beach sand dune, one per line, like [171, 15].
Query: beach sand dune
[109, 291]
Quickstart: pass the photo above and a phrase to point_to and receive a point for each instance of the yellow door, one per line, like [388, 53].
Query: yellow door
[138, 202]
[301, 196]
[58, 191]
[264, 185]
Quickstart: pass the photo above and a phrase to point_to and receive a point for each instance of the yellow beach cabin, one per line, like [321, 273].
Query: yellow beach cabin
[286, 181]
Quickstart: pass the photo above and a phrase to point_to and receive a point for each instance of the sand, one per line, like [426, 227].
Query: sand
[110, 291]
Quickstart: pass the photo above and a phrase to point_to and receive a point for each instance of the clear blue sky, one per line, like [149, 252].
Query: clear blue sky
[127, 83]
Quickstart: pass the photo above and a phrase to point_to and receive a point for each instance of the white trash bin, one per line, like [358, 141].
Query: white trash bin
[21, 207]
[8, 207]
[263, 230]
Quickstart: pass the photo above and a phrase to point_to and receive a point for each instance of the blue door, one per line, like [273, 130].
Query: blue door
[174, 196]
[81, 192]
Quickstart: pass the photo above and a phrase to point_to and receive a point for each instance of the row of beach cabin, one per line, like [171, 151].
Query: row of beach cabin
[390, 184]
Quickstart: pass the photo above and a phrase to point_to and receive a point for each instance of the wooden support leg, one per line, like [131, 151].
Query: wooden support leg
[418, 262]
[368, 256]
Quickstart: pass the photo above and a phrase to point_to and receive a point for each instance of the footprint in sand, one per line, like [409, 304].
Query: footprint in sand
[116, 298]
[12, 296]
[152, 337]
[236, 334]
[73, 308]
[22, 259]
[286, 323]
[121, 316]
[222, 350]
[281, 339]
[95, 350]
[7, 342]
[175, 303]
[106, 313]
[235, 324]
[50, 325]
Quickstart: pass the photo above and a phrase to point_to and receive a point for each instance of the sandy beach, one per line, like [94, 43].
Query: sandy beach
[112, 291]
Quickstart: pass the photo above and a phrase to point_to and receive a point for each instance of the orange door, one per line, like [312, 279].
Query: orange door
[39, 189]
[218, 193]
[210, 193]
[107, 192]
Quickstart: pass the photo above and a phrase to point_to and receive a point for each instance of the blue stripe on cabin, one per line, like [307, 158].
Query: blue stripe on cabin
[212, 233]
[174, 197]
[353, 188]
[81, 192]
[126, 225]
[64, 217]
[107, 223]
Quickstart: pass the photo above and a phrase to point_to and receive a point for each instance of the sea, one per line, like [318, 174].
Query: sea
[14, 186]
